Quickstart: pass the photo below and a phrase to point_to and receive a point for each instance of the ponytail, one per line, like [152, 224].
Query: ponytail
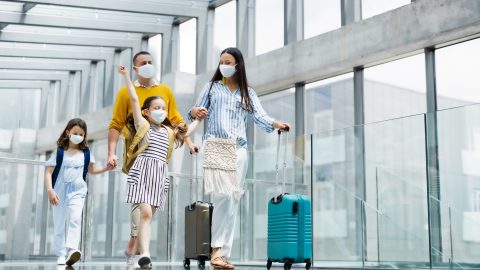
[179, 131]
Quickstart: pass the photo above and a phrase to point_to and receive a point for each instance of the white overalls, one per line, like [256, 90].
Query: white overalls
[71, 190]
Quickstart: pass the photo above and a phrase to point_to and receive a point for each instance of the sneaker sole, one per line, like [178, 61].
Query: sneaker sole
[74, 257]
[145, 262]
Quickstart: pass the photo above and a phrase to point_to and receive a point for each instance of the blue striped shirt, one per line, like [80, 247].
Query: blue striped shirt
[226, 117]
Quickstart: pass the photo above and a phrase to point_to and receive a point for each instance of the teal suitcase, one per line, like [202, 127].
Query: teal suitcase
[289, 226]
[289, 230]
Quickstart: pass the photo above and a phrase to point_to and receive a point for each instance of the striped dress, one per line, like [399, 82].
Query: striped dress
[148, 177]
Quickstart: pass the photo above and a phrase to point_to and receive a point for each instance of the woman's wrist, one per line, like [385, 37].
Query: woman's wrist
[192, 113]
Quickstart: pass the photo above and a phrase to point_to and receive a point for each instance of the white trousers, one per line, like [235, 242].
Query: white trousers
[225, 210]
[67, 215]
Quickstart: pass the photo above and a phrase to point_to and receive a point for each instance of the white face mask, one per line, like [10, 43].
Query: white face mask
[227, 70]
[158, 116]
[146, 71]
[76, 139]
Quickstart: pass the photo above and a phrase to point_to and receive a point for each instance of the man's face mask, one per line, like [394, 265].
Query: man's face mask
[146, 71]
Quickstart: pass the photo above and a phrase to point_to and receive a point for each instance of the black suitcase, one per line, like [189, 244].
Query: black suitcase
[198, 223]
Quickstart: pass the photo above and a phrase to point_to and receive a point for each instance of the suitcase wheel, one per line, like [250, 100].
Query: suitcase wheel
[186, 263]
[308, 265]
[269, 264]
[201, 263]
[287, 266]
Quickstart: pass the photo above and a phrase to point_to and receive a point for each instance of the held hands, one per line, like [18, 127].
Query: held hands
[53, 197]
[199, 113]
[109, 167]
[112, 161]
[282, 126]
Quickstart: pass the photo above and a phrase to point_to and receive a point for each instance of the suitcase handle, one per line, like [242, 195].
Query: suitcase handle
[275, 199]
[193, 167]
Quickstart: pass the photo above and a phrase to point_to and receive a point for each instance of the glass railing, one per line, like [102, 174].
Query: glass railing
[21, 207]
[371, 202]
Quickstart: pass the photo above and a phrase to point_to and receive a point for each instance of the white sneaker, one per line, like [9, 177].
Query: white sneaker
[73, 257]
[130, 258]
[61, 260]
[144, 261]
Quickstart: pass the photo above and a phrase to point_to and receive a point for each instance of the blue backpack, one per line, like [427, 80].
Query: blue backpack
[60, 151]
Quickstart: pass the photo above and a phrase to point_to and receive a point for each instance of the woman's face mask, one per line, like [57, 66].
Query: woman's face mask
[146, 71]
[227, 70]
[158, 116]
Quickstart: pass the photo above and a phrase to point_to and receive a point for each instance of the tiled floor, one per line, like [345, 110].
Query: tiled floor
[117, 265]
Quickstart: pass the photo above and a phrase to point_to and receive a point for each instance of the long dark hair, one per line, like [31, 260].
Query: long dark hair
[179, 130]
[63, 140]
[240, 77]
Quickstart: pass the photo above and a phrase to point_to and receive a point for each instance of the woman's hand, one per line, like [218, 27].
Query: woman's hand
[53, 197]
[199, 112]
[122, 70]
[282, 126]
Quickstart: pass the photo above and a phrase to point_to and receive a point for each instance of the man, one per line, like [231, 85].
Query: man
[145, 86]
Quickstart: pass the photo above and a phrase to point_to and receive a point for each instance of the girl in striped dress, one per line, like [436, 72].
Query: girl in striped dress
[147, 180]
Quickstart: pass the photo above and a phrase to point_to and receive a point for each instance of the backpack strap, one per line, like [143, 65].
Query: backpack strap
[137, 138]
[171, 141]
[86, 163]
[58, 165]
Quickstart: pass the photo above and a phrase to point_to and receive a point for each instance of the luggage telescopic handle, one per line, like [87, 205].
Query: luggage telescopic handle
[194, 166]
[284, 162]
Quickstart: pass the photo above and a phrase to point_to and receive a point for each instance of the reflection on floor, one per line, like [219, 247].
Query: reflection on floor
[117, 265]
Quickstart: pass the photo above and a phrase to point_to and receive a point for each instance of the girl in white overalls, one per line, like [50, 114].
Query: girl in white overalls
[66, 187]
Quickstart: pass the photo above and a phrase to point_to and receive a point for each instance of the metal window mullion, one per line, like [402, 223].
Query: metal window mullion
[246, 27]
[351, 11]
[360, 177]
[299, 140]
[432, 162]
[293, 21]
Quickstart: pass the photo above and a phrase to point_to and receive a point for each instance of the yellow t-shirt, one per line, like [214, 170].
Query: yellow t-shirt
[123, 105]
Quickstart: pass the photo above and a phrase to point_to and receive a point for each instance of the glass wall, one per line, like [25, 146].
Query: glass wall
[371, 8]
[456, 74]
[329, 104]
[98, 199]
[23, 108]
[459, 179]
[320, 17]
[396, 186]
[337, 226]
[388, 227]
[281, 106]
[155, 49]
[395, 89]
[188, 46]
[225, 28]
[269, 23]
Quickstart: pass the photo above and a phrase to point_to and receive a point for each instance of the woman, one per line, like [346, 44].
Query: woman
[226, 101]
